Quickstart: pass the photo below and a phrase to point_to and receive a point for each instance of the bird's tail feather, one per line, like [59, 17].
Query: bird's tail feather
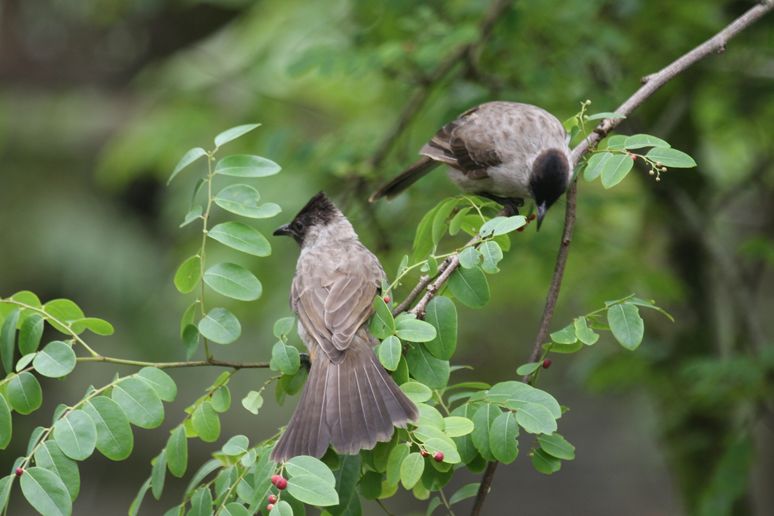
[405, 179]
[352, 405]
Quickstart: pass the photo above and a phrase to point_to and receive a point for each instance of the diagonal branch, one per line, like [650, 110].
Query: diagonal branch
[716, 44]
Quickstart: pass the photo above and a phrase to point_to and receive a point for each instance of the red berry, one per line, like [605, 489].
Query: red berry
[521, 229]
[546, 363]
[424, 453]
[19, 472]
[274, 479]
[270, 507]
[272, 499]
[387, 299]
[634, 158]
[531, 217]
[438, 456]
[281, 484]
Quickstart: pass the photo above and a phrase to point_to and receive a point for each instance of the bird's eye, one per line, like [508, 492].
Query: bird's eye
[298, 226]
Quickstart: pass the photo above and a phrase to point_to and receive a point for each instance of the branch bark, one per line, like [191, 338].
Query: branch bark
[716, 44]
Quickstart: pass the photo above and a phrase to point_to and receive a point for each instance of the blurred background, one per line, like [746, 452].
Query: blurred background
[99, 99]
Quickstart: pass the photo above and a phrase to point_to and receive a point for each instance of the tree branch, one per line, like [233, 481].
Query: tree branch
[716, 44]
[170, 365]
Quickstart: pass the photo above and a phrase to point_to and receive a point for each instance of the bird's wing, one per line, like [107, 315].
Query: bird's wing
[465, 145]
[332, 314]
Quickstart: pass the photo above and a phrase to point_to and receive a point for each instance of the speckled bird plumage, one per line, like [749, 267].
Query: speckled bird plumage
[503, 150]
[349, 400]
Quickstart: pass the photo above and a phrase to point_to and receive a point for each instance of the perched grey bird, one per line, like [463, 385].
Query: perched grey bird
[349, 400]
[504, 151]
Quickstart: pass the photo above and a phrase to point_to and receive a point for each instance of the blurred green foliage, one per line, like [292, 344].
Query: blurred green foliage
[99, 100]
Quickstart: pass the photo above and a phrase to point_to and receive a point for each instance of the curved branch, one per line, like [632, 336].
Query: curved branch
[716, 44]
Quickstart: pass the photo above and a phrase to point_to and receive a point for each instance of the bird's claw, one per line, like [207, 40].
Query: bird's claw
[306, 360]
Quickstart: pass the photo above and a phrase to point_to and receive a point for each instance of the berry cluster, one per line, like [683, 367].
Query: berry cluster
[281, 484]
[437, 456]
[529, 219]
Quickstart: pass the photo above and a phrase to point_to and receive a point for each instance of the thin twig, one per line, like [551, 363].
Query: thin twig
[169, 365]
[653, 82]
[383, 507]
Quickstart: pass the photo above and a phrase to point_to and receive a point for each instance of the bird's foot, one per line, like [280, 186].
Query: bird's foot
[510, 204]
[306, 360]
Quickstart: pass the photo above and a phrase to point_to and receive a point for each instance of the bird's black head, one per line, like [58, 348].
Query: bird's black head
[549, 180]
[319, 211]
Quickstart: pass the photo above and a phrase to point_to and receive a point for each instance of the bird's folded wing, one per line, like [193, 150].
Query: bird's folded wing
[465, 145]
[333, 314]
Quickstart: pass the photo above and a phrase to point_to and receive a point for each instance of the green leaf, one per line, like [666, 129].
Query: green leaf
[595, 164]
[134, 509]
[671, 158]
[442, 213]
[6, 426]
[114, 435]
[188, 274]
[639, 141]
[234, 281]
[433, 505]
[492, 255]
[483, 419]
[50, 457]
[616, 142]
[46, 492]
[24, 393]
[34, 439]
[470, 287]
[188, 317]
[411, 470]
[347, 477]
[502, 437]
[305, 465]
[6, 483]
[528, 368]
[426, 368]
[312, 490]
[25, 361]
[242, 238]
[287, 358]
[390, 352]
[433, 478]
[445, 446]
[205, 469]
[414, 330]
[536, 419]
[220, 326]
[563, 348]
[606, 114]
[281, 508]
[626, 324]
[221, 399]
[293, 383]
[158, 472]
[465, 492]
[234, 509]
[456, 223]
[584, 333]
[509, 224]
[76, 435]
[648, 304]
[243, 200]
[30, 334]
[190, 156]
[139, 402]
[252, 402]
[237, 445]
[382, 452]
[423, 240]
[206, 422]
[233, 133]
[522, 392]
[397, 455]
[57, 359]
[8, 339]
[201, 502]
[401, 374]
[402, 266]
[193, 214]
[177, 452]
[244, 165]
[615, 169]
[416, 391]
[456, 426]
[98, 326]
[544, 462]
[382, 323]
[556, 446]
[432, 266]
[283, 327]
[190, 340]
[160, 381]
[371, 485]
[470, 257]
[565, 336]
[442, 314]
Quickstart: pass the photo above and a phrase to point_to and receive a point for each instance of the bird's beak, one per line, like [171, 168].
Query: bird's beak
[541, 212]
[284, 231]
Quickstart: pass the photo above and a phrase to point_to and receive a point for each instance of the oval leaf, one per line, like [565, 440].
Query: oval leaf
[6, 424]
[241, 237]
[595, 164]
[243, 200]
[237, 445]
[671, 158]
[615, 169]
[492, 254]
[626, 324]
[188, 274]
[177, 452]
[160, 382]
[139, 402]
[76, 435]
[206, 422]
[50, 457]
[455, 426]
[470, 287]
[382, 324]
[190, 156]
[114, 435]
[556, 446]
[46, 492]
[57, 359]
[426, 368]
[24, 393]
[390, 352]
[98, 326]
[416, 391]
[233, 281]
[414, 330]
[313, 490]
[30, 334]
[411, 470]
[287, 358]
[234, 133]
[244, 165]
[305, 465]
[536, 419]
[639, 141]
[8, 339]
[442, 315]
[502, 437]
[220, 326]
